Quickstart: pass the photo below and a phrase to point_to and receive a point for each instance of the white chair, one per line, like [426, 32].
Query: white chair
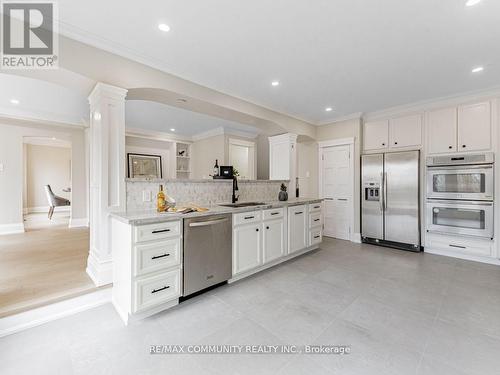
[54, 201]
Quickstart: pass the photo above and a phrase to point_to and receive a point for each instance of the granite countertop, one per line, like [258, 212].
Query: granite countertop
[150, 216]
[205, 180]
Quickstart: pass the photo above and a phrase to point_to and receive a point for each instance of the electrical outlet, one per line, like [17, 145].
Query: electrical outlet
[146, 196]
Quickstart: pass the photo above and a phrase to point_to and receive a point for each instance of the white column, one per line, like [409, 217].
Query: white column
[107, 175]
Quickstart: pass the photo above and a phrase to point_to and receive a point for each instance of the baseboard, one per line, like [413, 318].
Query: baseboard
[45, 209]
[77, 223]
[356, 237]
[32, 318]
[100, 272]
[11, 228]
[458, 255]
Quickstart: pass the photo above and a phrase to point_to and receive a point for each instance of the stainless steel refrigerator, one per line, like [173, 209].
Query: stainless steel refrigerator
[390, 202]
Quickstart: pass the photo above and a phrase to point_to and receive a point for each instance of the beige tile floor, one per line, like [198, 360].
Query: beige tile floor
[402, 313]
[43, 265]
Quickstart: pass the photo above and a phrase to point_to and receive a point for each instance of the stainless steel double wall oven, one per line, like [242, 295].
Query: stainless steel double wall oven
[460, 195]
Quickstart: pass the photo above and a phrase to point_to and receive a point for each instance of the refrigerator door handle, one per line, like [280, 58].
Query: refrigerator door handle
[385, 191]
[381, 198]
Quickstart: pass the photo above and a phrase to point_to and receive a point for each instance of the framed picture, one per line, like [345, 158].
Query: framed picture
[144, 166]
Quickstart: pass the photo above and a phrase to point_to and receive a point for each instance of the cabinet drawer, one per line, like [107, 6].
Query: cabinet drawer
[153, 291]
[469, 246]
[247, 217]
[273, 213]
[157, 231]
[315, 207]
[156, 256]
[315, 236]
[315, 219]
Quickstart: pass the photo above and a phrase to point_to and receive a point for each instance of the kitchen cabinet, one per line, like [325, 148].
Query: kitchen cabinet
[146, 267]
[459, 129]
[442, 131]
[283, 159]
[405, 131]
[247, 250]
[273, 236]
[474, 127]
[297, 228]
[376, 135]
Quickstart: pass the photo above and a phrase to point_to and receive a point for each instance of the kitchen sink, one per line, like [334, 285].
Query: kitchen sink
[242, 204]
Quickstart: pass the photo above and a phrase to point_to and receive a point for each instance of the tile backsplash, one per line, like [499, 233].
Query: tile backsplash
[205, 192]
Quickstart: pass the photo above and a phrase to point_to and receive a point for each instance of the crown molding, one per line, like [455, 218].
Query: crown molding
[223, 131]
[155, 135]
[352, 116]
[41, 117]
[429, 104]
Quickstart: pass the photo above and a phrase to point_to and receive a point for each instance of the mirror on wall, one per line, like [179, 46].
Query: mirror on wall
[187, 144]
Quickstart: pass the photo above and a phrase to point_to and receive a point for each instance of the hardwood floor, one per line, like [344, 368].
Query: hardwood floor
[43, 265]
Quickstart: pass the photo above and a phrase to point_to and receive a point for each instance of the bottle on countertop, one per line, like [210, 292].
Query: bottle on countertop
[297, 193]
[216, 168]
[161, 203]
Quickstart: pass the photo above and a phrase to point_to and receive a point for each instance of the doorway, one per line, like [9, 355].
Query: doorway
[242, 157]
[336, 187]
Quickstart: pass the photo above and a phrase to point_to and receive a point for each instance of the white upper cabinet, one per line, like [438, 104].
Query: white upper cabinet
[376, 135]
[283, 158]
[442, 131]
[474, 127]
[405, 131]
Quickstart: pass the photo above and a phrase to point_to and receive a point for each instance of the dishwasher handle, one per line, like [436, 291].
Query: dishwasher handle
[207, 223]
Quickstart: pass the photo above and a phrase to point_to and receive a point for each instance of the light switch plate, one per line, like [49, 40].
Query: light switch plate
[1, 167]
[146, 196]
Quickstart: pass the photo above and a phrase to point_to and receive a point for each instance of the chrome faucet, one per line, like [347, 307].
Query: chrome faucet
[235, 189]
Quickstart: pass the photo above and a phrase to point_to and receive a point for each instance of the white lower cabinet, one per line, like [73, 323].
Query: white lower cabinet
[146, 267]
[247, 249]
[297, 228]
[273, 236]
[459, 246]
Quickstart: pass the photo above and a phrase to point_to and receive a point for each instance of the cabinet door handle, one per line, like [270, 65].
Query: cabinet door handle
[267, 228]
[160, 231]
[464, 146]
[316, 219]
[299, 213]
[159, 290]
[317, 207]
[160, 256]
[450, 147]
[395, 143]
[383, 144]
[317, 236]
[257, 229]
[457, 246]
[274, 213]
[249, 217]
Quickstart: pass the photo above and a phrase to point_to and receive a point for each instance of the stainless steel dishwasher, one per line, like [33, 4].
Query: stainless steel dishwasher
[207, 252]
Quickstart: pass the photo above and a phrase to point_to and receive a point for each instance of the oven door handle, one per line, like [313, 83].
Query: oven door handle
[455, 203]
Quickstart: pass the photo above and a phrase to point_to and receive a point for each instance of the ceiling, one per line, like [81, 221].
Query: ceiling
[354, 56]
[147, 115]
[26, 98]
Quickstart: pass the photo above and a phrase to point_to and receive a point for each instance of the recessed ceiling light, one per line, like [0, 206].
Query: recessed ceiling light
[328, 109]
[471, 3]
[478, 69]
[164, 27]
[54, 138]
[275, 83]
[172, 130]
[14, 101]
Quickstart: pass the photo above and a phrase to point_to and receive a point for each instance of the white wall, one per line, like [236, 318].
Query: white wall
[347, 129]
[307, 169]
[46, 165]
[203, 155]
[12, 176]
[153, 147]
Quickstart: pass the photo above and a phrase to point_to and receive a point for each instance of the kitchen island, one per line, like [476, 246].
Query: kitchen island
[148, 270]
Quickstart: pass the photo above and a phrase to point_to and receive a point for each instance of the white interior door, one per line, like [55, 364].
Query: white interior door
[242, 157]
[337, 190]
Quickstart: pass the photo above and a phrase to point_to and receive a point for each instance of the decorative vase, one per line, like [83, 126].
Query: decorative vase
[283, 195]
